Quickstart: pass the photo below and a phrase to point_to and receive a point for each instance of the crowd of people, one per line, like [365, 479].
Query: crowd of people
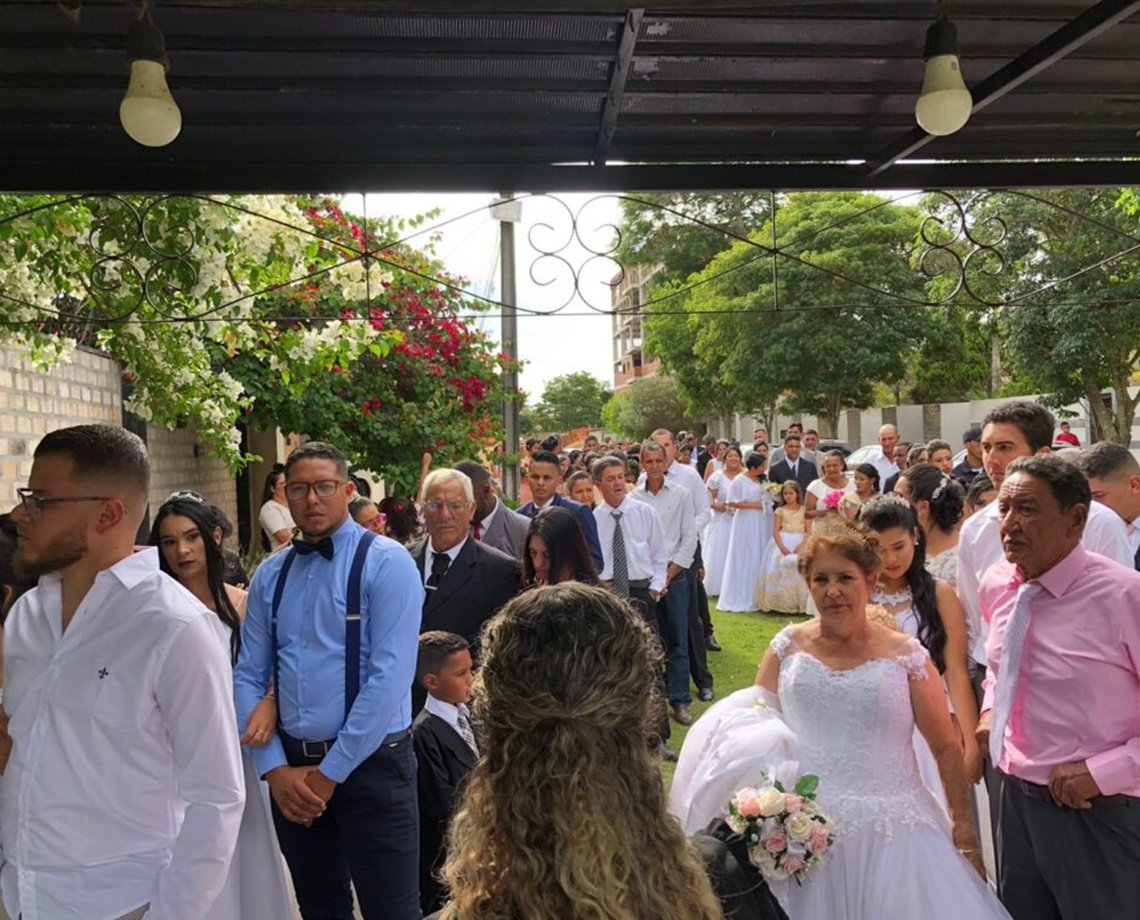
[445, 707]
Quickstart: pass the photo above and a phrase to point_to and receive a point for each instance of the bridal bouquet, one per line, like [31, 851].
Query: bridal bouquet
[775, 489]
[786, 833]
[832, 500]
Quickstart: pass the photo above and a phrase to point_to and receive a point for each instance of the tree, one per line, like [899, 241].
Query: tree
[953, 361]
[643, 406]
[233, 311]
[571, 401]
[1072, 320]
[840, 323]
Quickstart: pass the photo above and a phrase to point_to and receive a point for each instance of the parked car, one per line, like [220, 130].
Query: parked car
[829, 444]
[864, 455]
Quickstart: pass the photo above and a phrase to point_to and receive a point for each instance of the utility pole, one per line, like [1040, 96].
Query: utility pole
[508, 212]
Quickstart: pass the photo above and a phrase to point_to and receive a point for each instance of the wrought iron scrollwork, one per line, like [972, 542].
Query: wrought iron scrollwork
[962, 248]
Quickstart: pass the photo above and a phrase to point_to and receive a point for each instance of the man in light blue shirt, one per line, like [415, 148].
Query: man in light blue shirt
[340, 652]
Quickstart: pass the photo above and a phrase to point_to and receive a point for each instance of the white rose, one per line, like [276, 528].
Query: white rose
[799, 826]
[771, 801]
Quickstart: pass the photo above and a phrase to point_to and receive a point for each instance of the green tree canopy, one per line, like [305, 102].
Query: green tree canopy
[643, 406]
[571, 401]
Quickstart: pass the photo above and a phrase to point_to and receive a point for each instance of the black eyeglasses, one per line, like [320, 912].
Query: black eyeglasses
[324, 489]
[34, 504]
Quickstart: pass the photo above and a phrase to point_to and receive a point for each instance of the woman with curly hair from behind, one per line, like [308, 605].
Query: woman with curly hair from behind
[563, 817]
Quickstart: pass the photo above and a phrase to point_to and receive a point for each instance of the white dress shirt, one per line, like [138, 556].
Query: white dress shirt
[644, 537]
[425, 571]
[698, 491]
[674, 506]
[885, 465]
[125, 782]
[979, 547]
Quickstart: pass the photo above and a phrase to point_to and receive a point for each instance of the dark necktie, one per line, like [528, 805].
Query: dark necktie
[621, 564]
[1136, 560]
[324, 547]
[439, 564]
[477, 530]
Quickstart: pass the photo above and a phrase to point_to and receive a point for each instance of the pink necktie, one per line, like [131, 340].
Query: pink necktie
[1009, 670]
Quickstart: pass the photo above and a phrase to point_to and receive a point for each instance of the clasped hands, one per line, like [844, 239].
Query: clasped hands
[1070, 784]
[302, 793]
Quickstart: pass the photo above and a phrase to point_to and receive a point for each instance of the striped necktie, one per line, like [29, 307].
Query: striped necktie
[621, 564]
[465, 732]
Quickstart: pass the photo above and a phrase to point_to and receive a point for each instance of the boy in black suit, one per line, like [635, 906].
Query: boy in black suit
[445, 747]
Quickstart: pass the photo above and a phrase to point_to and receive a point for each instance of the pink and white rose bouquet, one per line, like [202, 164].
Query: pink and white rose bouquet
[832, 499]
[786, 833]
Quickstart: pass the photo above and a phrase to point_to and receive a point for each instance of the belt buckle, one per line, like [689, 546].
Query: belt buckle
[320, 748]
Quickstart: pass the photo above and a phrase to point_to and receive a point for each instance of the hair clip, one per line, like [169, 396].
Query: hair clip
[942, 485]
[184, 495]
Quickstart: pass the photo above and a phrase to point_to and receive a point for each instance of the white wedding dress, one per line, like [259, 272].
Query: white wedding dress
[893, 857]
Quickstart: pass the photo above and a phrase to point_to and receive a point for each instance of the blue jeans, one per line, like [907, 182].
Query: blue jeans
[674, 610]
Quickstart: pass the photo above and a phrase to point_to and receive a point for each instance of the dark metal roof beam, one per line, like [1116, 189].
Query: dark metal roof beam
[612, 107]
[1061, 43]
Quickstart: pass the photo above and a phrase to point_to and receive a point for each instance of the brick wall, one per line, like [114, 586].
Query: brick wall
[87, 389]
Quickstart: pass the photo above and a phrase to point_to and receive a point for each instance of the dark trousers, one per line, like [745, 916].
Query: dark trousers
[644, 604]
[674, 609]
[369, 834]
[990, 773]
[703, 606]
[698, 651]
[1061, 863]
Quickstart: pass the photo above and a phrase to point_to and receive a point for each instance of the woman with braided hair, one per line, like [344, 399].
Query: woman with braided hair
[938, 501]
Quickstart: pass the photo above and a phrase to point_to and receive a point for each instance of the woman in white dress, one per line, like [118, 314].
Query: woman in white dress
[715, 542]
[928, 610]
[716, 464]
[939, 502]
[833, 479]
[188, 532]
[781, 589]
[274, 515]
[843, 698]
[751, 508]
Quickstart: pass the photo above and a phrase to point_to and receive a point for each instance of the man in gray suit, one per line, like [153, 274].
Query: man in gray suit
[494, 524]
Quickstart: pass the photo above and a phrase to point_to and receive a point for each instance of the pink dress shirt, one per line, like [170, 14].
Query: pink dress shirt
[1078, 698]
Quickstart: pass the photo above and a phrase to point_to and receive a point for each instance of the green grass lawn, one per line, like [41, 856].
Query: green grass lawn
[744, 638]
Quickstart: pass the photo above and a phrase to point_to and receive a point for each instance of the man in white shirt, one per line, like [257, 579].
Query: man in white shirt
[674, 506]
[1114, 478]
[1014, 429]
[885, 464]
[124, 788]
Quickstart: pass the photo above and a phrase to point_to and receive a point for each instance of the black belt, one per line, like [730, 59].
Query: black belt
[640, 583]
[296, 749]
[1042, 793]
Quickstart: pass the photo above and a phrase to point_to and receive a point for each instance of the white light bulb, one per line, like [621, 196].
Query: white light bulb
[148, 112]
[945, 104]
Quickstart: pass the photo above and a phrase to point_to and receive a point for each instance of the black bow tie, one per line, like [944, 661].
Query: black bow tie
[324, 547]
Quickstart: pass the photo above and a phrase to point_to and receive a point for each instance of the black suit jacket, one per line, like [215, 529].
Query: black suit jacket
[443, 761]
[476, 585]
[806, 473]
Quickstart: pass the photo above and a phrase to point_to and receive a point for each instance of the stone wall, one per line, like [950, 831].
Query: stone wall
[179, 461]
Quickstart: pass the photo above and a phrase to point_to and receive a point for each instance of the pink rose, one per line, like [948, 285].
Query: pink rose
[775, 843]
[818, 841]
[792, 803]
[748, 804]
[794, 864]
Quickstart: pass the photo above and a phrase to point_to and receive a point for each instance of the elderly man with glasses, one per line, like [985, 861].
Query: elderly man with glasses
[466, 580]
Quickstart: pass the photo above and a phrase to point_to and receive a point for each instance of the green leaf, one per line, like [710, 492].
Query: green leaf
[806, 785]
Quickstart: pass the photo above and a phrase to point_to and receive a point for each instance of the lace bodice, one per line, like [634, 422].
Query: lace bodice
[855, 730]
[900, 604]
[944, 565]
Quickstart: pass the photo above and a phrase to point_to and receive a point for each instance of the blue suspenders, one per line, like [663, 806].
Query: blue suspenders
[353, 606]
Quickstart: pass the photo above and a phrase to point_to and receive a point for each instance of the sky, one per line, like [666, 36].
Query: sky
[576, 338]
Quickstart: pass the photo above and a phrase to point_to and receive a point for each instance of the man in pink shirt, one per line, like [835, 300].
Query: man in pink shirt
[1061, 710]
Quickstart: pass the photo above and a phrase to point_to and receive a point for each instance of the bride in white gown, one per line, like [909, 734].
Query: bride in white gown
[841, 697]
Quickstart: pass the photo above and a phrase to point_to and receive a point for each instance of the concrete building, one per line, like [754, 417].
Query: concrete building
[626, 298]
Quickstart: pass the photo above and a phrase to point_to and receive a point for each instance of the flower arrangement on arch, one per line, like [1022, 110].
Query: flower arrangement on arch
[786, 833]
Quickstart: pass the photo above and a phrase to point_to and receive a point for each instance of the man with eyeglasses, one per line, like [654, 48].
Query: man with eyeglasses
[333, 621]
[466, 580]
[123, 794]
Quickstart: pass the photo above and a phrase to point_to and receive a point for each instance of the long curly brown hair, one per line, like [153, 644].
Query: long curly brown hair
[564, 816]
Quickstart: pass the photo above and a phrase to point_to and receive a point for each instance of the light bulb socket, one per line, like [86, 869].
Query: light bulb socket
[941, 38]
[145, 41]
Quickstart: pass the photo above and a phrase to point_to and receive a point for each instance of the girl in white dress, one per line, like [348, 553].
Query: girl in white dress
[939, 502]
[928, 610]
[842, 697]
[715, 542]
[781, 589]
[751, 508]
[188, 531]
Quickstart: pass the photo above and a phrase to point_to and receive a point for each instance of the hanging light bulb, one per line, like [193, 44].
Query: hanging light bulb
[148, 112]
[945, 104]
